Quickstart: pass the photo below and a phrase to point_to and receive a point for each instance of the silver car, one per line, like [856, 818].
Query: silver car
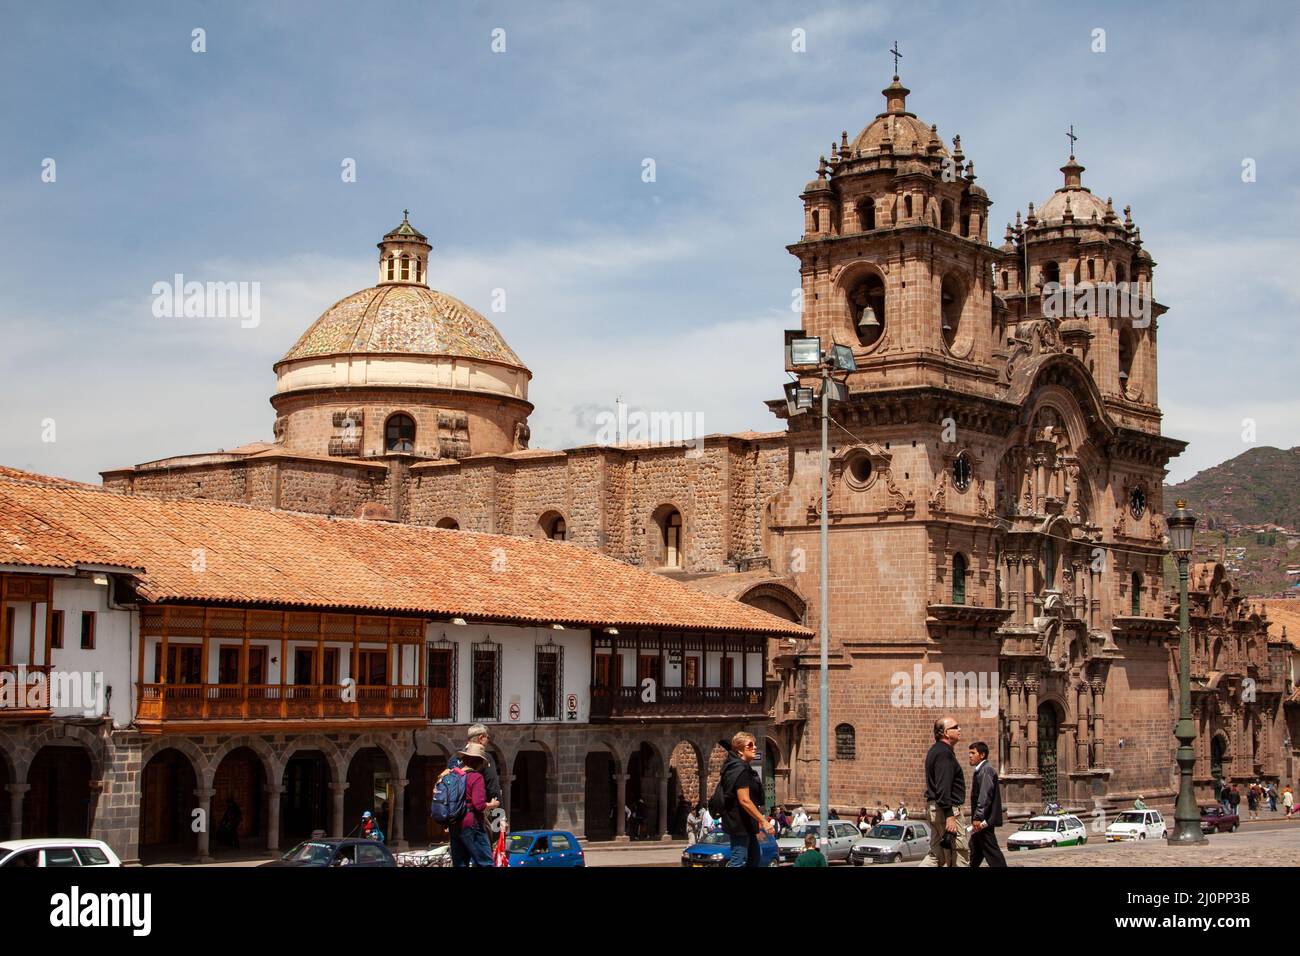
[891, 843]
[839, 834]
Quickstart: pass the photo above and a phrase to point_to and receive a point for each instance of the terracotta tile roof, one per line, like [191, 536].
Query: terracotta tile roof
[253, 555]
[1284, 614]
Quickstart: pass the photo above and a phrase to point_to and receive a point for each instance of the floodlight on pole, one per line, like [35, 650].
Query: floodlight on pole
[805, 352]
[843, 358]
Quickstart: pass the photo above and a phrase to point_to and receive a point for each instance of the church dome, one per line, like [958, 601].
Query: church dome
[903, 131]
[1076, 199]
[403, 319]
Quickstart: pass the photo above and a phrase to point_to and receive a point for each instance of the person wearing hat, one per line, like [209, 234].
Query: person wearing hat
[469, 834]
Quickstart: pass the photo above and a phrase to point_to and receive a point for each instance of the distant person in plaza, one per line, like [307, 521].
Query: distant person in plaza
[1234, 798]
[1139, 803]
[1288, 800]
[833, 815]
[902, 810]
[693, 825]
[1270, 791]
[1252, 799]
[811, 856]
[985, 809]
[228, 829]
[742, 791]
[707, 822]
[800, 817]
[945, 796]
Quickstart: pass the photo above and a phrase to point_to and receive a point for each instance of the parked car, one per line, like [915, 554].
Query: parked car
[1049, 830]
[53, 851]
[1137, 825]
[335, 851]
[1215, 819]
[549, 848]
[715, 850]
[891, 843]
[841, 837]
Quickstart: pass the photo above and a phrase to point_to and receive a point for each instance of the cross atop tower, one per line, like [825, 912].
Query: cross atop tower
[1071, 137]
[897, 56]
[406, 213]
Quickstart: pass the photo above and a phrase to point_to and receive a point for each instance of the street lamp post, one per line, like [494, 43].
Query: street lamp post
[806, 353]
[1187, 819]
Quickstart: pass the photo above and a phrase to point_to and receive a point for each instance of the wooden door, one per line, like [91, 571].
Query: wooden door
[440, 683]
[257, 665]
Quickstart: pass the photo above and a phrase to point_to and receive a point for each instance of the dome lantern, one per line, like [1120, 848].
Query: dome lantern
[404, 255]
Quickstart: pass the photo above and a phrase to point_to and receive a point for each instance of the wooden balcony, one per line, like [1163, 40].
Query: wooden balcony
[245, 705]
[25, 697]
[676, 703]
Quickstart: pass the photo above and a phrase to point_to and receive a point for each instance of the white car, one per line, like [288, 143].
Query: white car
[53, 851]
[1137, 825]
[1049, 830]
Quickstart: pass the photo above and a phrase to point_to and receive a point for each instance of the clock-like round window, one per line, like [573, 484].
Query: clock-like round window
[1137, 502]
[961, 472]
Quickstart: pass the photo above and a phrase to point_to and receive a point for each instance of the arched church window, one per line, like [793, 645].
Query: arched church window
[553, 526]
[946, 216]
[673, 540]
[817, 220]
[1126, 350]
[867, 215]
[1135, 584]
[1051, 272]
[448, 524]
[406, 267]
[907, 207]
[399, 434]
[867, 308]
[419, 270]
[392, 267]
[952, 301]
[1049, 563]
[958, 579]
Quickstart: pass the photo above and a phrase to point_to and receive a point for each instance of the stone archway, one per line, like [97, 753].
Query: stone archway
[529, 786]
[602, 812]
[308, 779]
[1051, 753]
[60, 800]
[646, 795]
[687, 776]
[169, 779]
[370, 786]
[421, 776]
[239, 781]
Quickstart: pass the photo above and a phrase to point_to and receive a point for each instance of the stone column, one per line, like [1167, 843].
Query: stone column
[1031, 757]
[16, 793]
[1014, 692]
[663, 807]
[336, 809]
[205, 804]
[1098, 723]
[1081, 735]
[620, 822]
[397, 839]
[506, 780]
[273, 817]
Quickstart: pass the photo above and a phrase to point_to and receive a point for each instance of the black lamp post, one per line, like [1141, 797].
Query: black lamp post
[1187, 818]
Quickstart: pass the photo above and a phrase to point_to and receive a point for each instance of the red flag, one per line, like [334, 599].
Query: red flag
[499, 858]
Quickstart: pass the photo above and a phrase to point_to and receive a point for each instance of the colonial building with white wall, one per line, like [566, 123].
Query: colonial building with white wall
[305, 668]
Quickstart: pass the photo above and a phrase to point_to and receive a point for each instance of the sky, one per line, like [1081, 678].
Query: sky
[524, 166]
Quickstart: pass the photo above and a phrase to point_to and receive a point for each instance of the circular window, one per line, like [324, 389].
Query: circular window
[961, 472]
[860, 469]
[1137, 502]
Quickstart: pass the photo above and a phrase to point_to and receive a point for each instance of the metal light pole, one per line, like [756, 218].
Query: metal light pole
[806, 353]
[824, 697]
[1187, 819]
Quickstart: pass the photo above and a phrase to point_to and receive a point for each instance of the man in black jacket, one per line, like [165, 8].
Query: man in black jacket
[742, 790]
[985, 809]
[945, 795]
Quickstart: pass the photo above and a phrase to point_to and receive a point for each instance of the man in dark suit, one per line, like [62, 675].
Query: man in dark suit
[985, 809]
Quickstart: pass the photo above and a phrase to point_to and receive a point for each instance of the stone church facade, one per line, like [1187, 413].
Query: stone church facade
[995, 500]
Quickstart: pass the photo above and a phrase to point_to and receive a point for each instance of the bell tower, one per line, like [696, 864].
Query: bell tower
[894, 257]
[404, 255]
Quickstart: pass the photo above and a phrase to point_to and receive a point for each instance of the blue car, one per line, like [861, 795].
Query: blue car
[715, 850]
[551, 848]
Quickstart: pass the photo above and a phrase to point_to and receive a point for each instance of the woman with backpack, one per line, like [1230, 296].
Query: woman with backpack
[460, 801]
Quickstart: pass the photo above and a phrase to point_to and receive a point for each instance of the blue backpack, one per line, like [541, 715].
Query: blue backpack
[448, 804]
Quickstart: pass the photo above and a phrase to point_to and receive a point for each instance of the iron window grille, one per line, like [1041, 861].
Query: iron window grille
[486, 692]
[548, 680]
[845, 742]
